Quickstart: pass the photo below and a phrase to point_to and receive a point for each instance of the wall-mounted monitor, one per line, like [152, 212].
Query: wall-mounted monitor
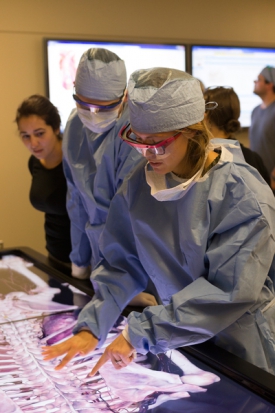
[237, 67]
[62, 58]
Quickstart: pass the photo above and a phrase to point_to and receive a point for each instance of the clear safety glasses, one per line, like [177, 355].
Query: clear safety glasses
[132, 139]
[97, 108]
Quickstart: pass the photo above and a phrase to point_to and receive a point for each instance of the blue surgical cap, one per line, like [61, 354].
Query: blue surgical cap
[269, 74]
[101, 75]
[163, 99]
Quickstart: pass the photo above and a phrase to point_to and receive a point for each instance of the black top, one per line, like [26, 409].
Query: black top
[48, 194]
[254, 159]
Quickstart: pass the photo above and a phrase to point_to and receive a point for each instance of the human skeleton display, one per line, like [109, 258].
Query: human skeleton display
[31, 318]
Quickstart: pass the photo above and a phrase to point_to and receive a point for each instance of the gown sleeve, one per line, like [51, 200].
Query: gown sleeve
[116, 280]
[81, 249]
[237, 258]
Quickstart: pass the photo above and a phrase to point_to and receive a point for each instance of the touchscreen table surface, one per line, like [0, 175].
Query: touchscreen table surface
[37, 310]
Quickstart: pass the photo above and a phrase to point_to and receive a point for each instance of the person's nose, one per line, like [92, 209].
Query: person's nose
[33, 142]
[148, 154]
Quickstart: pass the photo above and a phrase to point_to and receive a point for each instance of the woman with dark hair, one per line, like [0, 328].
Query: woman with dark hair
[224, 123]
[38, 124]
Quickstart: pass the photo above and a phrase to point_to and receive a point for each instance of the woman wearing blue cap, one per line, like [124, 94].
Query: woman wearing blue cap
[195, 220]
[95, 159]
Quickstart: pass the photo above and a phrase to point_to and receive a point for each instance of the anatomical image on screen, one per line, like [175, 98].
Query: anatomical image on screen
[31, 384]
[170, 382]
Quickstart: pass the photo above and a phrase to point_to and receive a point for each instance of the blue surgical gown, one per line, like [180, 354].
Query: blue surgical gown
[95, 165]
[208, 253]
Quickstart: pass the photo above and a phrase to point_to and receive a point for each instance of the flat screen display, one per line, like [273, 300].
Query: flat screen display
[237, 67]
[37, 310]
[63, 57]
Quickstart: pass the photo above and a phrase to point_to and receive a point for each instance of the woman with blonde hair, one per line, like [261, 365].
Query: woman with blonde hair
[195, 220]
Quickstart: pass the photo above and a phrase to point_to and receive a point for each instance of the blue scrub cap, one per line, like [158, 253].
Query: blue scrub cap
[101, 75]
[163, 99]
[269, 74]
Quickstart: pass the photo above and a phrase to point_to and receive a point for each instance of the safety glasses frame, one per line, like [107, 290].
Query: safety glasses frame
[97, 107]
[158, 148]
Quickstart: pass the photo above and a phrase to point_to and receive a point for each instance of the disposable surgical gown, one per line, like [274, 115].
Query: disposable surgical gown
[95, 165]
[208, 253]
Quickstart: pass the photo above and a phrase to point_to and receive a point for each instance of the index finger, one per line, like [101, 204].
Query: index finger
[103, 359]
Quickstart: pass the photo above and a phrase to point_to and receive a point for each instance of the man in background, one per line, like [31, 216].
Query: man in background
[262, 130]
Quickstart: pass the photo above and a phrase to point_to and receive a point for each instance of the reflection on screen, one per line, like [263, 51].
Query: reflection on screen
[232, 66]
[24, 294]
[64, 56]
[169, 382]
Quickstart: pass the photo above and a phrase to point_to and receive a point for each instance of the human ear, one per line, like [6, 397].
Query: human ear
[57, 132]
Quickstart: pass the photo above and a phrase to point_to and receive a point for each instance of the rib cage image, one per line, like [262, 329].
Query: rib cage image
[31, 318]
